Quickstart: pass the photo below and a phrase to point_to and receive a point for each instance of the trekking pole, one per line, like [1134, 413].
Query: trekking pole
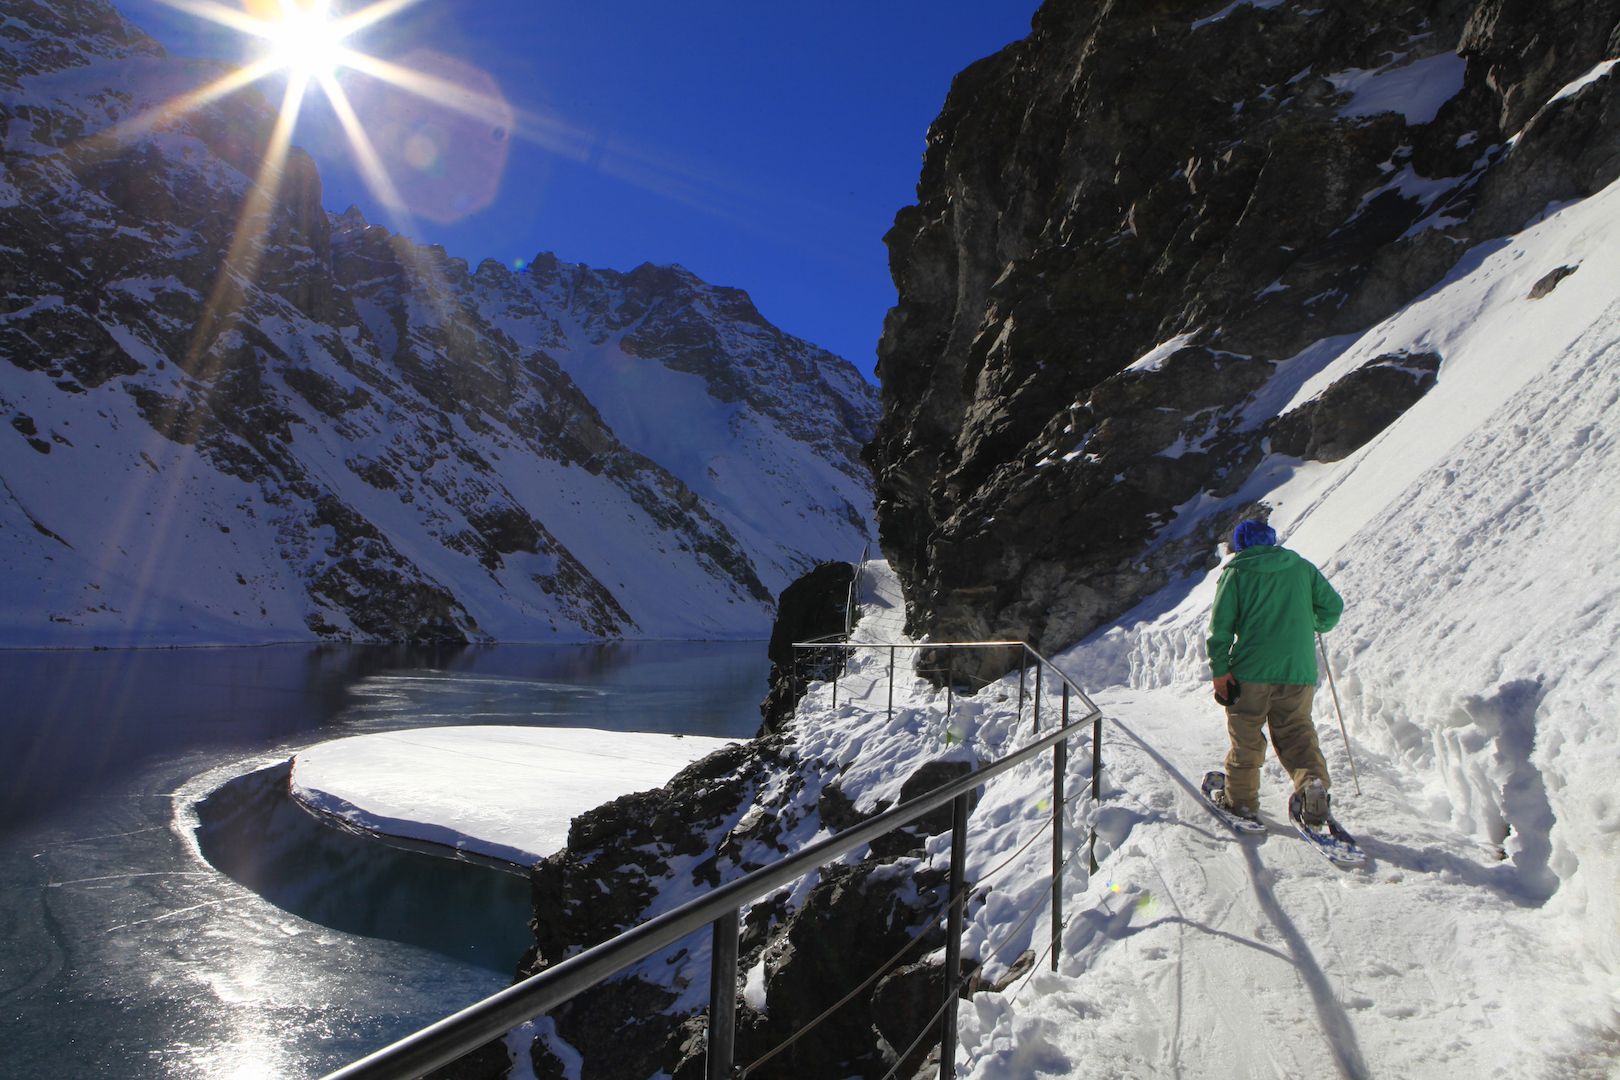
[1346, 734]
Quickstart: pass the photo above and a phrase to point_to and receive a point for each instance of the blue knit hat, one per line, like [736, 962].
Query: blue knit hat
[1251, 532]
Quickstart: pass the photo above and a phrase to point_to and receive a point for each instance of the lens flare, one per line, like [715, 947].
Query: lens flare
[306, 41]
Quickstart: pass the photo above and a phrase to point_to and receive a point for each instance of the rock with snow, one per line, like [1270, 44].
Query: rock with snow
[1349, 413]
[644, 853]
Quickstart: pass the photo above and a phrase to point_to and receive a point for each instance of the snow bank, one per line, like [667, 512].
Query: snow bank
[504, 792]
[1191, 952]
[1415, 90]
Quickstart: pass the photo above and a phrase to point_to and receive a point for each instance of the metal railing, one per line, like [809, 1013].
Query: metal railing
[721, 909]
[852, 601]
[1040, 664]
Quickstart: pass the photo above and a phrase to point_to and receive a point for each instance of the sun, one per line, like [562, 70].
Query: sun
[304, 40]
[309, 43]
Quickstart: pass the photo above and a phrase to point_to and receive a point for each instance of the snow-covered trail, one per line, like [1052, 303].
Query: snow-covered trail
[1192, 952]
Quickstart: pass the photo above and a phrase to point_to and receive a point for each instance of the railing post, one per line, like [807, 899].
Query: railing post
[849, 603]
[1037, 699]
[723, 996]
[1060, 766]
[1021, 673]
[1096, 785]
[891, 682]
[950, 691]
[953, 936]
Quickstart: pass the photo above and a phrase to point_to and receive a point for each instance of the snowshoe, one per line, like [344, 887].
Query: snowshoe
[1238, 819]
[1329, 837]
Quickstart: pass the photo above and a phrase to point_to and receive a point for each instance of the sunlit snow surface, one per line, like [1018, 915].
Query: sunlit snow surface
[1416, 90]
[503, 792]
[1475, 543]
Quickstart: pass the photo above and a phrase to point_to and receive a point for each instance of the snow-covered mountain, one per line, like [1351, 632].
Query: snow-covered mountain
[237, 421]
[1349, 266]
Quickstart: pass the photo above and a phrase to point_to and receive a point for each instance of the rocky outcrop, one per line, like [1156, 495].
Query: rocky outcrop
[815, 606]
[851, 924]
[1139, 220]
[620, 858]
[1355, 408]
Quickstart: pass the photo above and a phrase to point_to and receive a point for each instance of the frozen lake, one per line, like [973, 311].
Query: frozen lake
[127, 951]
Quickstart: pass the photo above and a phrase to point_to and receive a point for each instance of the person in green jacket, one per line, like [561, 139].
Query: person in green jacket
[1270, 603]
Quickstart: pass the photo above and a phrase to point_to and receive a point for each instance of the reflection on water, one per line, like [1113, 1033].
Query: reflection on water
[126, 953]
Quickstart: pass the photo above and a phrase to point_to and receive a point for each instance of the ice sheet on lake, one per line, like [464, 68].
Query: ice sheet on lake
[505, 792]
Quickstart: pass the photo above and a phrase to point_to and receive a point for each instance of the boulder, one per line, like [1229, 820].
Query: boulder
[1355, 408]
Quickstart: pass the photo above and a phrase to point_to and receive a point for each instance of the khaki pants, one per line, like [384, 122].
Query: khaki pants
[1287, 710]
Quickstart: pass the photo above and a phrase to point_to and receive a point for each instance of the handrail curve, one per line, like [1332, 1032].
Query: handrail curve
[453, 1036]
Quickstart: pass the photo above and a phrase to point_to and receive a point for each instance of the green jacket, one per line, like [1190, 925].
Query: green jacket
[1273, 602]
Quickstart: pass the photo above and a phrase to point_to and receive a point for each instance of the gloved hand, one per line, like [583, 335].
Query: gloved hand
[1227, 689]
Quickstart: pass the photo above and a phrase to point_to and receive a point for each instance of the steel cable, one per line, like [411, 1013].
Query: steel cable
[953, 992]
[890, 963]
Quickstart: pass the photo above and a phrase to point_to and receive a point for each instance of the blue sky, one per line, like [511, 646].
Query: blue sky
[765, 146]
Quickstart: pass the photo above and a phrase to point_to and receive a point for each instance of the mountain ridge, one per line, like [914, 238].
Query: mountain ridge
[243, 419]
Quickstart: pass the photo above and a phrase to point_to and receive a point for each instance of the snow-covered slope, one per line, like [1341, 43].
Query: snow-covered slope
[1474, 541]
[1474, 544]
[234, 424]
[764, 428]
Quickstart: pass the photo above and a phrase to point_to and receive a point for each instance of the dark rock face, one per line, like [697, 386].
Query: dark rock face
[1351, 411]
[853, 921]
[815, 606]
[908, 839]
[1128, 220]
[693, 833]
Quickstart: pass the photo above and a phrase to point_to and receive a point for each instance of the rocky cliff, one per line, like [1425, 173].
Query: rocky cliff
[1141, 228]
[236, 417]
